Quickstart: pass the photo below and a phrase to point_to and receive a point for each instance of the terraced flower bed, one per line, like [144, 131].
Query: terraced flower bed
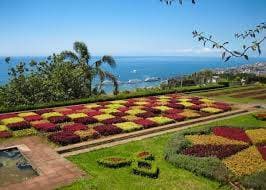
[73, 124]
[223, 153]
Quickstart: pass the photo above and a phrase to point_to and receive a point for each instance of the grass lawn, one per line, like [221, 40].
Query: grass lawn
[169, 178]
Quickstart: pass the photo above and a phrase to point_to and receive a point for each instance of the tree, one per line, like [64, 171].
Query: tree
[81, 57]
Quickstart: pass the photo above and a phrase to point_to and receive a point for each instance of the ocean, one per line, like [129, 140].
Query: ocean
[133, 70]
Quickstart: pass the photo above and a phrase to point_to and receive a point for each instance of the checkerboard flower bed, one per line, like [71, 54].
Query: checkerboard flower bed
[19, 125]
[128, 126]
[64, 138]
[58, 119]
[107, 130]
[145, 123]
[141, 113]
[87, 134]
[5, 134]
[85, 120]
[74, 127]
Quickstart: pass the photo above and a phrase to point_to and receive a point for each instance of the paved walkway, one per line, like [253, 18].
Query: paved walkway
[54, 171]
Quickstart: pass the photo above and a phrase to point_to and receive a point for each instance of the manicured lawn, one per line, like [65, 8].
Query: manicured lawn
[169, 178]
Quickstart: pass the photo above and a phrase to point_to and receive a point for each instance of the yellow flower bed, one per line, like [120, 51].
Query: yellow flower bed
[3, 128]
[85, 134]
[211, 110]
[51, 114]
[163, 97]
[186, 104]
[94, 125]
[109, 110]
[163, 100]
[25, 114]
[135, 111]
[246, 162]
[38, 122]
[130, 117]
[161, 120]
[212, 139]
[103, 117]
[141, 103]
[183, 99]
[91, 106]
[114, 106]
[12, 120]
[76, 115]
[257, 136]
[205, 100]
[119, 102]
[190, 114]
[162, 108]
[128, 126]
[136, 107]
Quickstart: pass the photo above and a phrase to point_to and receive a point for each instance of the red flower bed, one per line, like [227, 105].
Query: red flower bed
[222, 107]
[85, 120]
[146, 115]
[98, 108]
[33, 118]
[19, 125]
[64, 138]
[129, 104]
[176, 117]
[59, 119]
[93, 113]
[173, 111]
[74, 127]
[231, 133]
[176, 106]
[7, 115]
[103, 103]
[119, 114]
[42, 111]
[67, 112]
[76, 107]
[195, 107]
[153, 110]
[107, 130]
[219, 151]
[5, 134]
[46, 127]
[113, 120]
[262, 150]
[146, 123]
[197, 102]
[123, 109]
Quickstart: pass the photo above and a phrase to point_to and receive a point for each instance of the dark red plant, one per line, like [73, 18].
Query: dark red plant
[64, 138]
[85, 120]
[93, 113]
[153, 110]
[42, 111]
[46, 127]
[59, 119]
[219, 151]
[175, 105]
[262, 150]
[231, 133]
[196, 107]
[119, 114]
[74, 127]
[7, 115]
[173, 111]
[19, 126]
[146, 114]
[176, 117]
[5, 134]
[33, 118]
[107, 130]
[113, 120]
[146, 123]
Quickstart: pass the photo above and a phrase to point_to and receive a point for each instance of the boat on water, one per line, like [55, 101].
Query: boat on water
[152, 79]
[134, 81]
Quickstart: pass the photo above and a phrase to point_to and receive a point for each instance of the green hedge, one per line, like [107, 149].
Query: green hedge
[145, 168]
[114, 162]
[123, 95]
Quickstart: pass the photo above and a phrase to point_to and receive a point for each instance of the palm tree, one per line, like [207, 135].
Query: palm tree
[81, 57]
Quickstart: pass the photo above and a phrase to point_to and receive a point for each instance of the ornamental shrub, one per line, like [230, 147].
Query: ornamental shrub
[85, 120]
[25, 132]
[103, 117]
[173, 111]
[7, 115]
[19, 125]
[176, 117]
[119, 114]
[25, 114]
[76, 115]
[160, 120]
[58, 119]
[5, 134]
[12, 120]
[106, 130]
[113, 120]
[51, 114]
[33, 118]
[42, 111]
[74, 127]
[153, 110]
[46, 127]
[146, 114]
[176, 106]
[145, 123]
[128, 126]
[64, 138]
[145, 168]
[87, 134]
[114, 162]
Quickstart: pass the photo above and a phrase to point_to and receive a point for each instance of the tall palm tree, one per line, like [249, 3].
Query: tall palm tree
[81, 57]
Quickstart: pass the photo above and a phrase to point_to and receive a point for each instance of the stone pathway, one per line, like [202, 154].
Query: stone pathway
[54, 171]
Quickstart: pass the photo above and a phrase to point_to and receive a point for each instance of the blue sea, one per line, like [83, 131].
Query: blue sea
[133, 70]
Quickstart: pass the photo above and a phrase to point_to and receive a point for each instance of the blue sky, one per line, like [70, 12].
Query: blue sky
[122, 27]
